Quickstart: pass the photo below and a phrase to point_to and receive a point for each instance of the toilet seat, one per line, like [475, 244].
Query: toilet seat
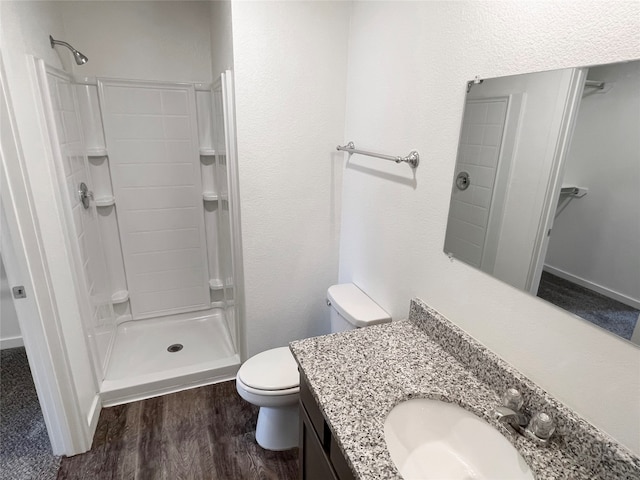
[266, 393]
[273, 372]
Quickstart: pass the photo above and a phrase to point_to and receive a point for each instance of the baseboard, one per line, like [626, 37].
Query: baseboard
[11, 342]
[94, 414]
[635, 337]
[632, 302]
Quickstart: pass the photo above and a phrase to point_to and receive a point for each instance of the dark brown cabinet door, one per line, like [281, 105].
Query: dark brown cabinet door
[320, 456]
[314, 464]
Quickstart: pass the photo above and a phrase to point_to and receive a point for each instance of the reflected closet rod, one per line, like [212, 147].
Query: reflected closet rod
[412, 159]
[594, 84]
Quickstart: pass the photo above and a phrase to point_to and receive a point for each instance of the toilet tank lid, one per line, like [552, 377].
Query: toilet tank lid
[356, 306]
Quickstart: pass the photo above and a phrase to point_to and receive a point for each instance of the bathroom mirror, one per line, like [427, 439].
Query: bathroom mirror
[546, 189]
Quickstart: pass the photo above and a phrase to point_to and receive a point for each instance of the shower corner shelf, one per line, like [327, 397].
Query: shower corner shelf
[217, 284]
[96, 152]
[120, 296]
[105, 201]
[210, 197]
[207, 152]
[223, 304]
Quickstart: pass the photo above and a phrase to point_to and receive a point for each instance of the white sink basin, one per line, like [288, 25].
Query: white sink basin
[430, 439]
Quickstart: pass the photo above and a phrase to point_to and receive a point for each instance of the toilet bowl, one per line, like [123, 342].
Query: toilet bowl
[270, 380]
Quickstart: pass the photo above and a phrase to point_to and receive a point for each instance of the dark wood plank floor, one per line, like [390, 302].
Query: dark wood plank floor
[203, 433]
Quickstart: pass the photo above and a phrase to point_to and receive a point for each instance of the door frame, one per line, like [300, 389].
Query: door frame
[38, 315]
[566, 129]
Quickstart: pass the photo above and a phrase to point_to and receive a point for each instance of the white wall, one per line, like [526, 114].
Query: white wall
[290, 72]
[597, 237]
[221, 37]
[148, 40]
[10, 336]
[408, 64]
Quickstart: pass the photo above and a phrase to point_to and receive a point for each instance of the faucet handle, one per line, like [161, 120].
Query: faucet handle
[512, 399]
[542, 425]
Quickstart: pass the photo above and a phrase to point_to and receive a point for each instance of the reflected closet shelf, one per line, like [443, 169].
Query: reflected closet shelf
[573, 190]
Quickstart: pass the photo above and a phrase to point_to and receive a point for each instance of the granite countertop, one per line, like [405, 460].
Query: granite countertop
[358, 376]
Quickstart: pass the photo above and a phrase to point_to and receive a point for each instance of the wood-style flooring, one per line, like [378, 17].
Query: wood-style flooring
[203, 433]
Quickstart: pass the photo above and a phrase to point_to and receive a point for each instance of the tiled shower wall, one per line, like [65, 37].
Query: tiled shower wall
[478, 155]
[92, 265]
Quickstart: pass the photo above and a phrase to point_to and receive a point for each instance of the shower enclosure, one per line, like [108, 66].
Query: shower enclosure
[147, 176]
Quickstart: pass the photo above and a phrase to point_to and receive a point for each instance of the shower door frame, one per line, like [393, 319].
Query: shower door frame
[227, 85]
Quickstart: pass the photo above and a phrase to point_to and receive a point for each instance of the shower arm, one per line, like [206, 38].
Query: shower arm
[60, 42]
[79, 57]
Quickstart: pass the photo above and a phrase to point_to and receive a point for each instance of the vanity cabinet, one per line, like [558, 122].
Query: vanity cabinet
[320, 455]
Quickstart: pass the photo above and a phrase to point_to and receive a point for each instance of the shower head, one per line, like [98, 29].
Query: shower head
[79, 57]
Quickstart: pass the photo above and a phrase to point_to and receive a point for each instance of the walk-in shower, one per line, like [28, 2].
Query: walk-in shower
[152, 232]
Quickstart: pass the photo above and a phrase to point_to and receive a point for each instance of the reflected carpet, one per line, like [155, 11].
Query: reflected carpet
[25, 451]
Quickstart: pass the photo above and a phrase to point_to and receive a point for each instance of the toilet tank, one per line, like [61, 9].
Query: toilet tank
[352, 308]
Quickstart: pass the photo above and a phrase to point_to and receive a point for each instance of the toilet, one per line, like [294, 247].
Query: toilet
[270, 379]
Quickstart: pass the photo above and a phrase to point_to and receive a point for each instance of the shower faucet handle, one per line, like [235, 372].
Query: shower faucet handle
[85, 195]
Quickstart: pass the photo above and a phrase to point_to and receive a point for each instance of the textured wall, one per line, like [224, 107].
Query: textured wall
[408, 63]
[221, 37]
[290, 72]
[147, 40]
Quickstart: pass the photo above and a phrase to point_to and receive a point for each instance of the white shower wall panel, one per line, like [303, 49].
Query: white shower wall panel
[478, 155]
[152, 139]
[89, 259]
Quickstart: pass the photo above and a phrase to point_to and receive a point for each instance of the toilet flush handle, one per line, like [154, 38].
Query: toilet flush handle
[328, 302]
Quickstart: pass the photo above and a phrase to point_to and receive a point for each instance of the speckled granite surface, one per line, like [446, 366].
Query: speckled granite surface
[357, 377]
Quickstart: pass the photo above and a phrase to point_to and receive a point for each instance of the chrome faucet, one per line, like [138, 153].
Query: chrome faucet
[517, 420]
[510, 413]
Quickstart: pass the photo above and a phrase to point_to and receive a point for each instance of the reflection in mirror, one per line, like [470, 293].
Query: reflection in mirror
[546, 190]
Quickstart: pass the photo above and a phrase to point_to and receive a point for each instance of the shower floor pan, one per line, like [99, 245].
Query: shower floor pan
[142, 366]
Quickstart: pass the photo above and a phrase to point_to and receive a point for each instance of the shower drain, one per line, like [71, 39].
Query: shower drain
[176, 347]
